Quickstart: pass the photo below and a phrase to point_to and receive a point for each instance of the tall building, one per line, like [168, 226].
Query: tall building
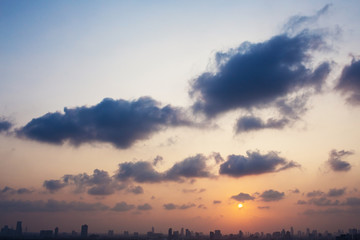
[170, 233]
[18, 228]
[84, 231]
[56, 232]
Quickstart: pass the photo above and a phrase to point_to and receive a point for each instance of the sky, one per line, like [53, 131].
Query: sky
[128, 115]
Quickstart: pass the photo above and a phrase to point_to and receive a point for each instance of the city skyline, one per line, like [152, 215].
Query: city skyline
[235, 116]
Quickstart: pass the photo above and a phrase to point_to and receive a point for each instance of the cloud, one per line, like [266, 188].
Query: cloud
[349, 82]
[336, 163]
[271, 195]
[216, 202]
[301, 202]
[254, 163]
[144, 207]
[49, 206]
[136, 190]
[118, 122]
[169, 206]
[264, 207]
[194, 190]
[314, 193]
[242, 197]
[99, 183]
[217, 157]
[53, 185]
[258, 75]
[333, 192]
[352, 201]
[141, 171]
[251, 123]
[6, 191]
[295, 23]
[323, 201]
[295, 190]
[157, 159]
[172, 206]
[123, 207]
[5, 125]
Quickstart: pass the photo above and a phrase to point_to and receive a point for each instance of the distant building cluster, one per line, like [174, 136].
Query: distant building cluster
[183, 234]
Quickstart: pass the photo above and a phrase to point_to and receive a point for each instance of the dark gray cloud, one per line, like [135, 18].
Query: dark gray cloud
[218, 158]
[98, 183]
[242, 197]
[144, 207]
[352, 201]
[295, 190]
[334, 192]
[216, 202]
[191, 167]
[301, 202]
[336, 163]
[141, 171]
[257, 75]
[5, 125]
[323, 201]
[6, 191]
[349, 82]
[271, 195]
[251, 123]
[53, 185]
[136, 189]
[254, 163]
[315, 193]
[172, 206]
[123, 207]
[118, 122]
[49, 206]
[157, 159]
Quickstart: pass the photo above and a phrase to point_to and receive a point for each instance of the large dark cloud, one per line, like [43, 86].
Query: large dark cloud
[257, 75]
[349, 82]
[118, 122]
[336, 163]
[141, 171]
[242, 197]
[271, 195]
[254, 163]
[5, 125]
[49, 206]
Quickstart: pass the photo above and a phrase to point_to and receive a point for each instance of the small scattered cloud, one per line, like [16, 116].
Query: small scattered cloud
[7, 191]
[202, 206]
[144, 207]
[217, 157]
[349, 82]
[323, 201]
[53, 185]
[172, 206]
[271, 196]
[352, 201]
[136, 190]
[336, 161]
[216, 202]
[157, 159]
[315, 193]
[301, 202]
[334, 192]
[123, 207]
[242, 197]
[5, 125]
[295, 190]
[255, 163]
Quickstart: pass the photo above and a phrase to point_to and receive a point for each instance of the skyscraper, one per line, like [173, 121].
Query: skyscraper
[18, 228]
[84, 231]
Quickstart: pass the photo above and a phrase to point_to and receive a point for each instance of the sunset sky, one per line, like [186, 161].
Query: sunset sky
[130, 114]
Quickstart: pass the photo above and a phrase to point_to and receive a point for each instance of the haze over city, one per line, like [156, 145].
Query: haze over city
[200, 115]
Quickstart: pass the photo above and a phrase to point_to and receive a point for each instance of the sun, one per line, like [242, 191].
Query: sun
[240, 205]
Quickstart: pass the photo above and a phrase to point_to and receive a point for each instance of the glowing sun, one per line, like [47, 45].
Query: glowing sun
[240, 205]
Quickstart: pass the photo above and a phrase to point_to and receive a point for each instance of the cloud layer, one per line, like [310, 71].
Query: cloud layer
[349, 82]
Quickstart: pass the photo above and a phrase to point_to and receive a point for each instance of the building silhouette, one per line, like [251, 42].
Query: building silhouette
[84, 231]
